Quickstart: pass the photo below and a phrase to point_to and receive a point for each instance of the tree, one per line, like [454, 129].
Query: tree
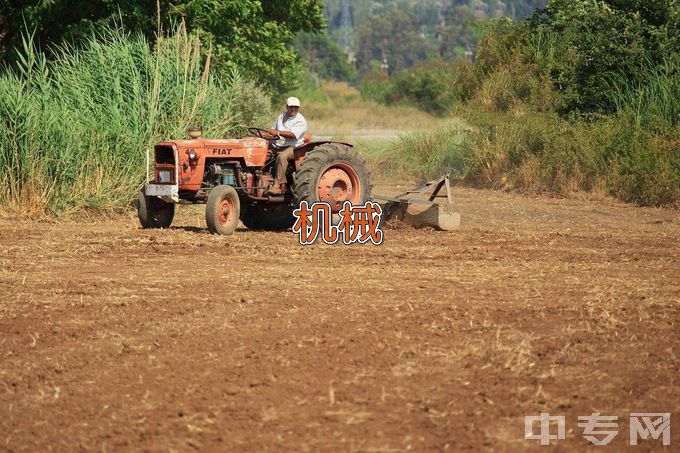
[72, 20]
[608, 39]
[429, 86]
[323, 57]
[252, 35]
[393, 37]
[455, 34]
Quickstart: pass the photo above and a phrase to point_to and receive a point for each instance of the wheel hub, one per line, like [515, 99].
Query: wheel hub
[337, 185]
[226, 211]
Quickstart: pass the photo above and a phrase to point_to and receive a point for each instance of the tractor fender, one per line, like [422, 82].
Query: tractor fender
[300, 151]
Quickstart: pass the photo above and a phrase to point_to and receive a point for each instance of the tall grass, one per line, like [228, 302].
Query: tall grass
[75, 128]
[654, 96]
[421, 154]
[535, 152]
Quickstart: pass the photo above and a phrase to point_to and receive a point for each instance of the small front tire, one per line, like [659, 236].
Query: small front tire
[154, 212]
[222, 210]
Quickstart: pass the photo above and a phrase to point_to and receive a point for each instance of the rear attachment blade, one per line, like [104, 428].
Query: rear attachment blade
[417, 208]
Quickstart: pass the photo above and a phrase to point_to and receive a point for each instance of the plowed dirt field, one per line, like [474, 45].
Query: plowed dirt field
[118, 338]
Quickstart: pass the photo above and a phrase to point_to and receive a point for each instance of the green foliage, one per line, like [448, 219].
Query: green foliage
[75, 128]
[430, 153]
[570, 67]
[604, 39]
[583, 96]
[537, 151]
[54, 22]
[391, 37]
[428, 86]
[254, 35]
[323, 57]
[459, 33]
[644, 160]
[376, 86]
[652, 96]
[610, 59]
[251, 35]
[447, 28]
[543, 152]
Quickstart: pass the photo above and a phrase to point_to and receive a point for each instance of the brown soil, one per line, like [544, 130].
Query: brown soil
[113, 337]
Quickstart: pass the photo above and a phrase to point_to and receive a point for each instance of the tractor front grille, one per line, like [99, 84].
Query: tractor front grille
[164, 165]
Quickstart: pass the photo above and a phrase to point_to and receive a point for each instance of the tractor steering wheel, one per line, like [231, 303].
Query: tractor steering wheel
[262, 133]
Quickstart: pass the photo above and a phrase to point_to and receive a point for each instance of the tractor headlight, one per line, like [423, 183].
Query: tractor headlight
[164, 176]
[192, 155]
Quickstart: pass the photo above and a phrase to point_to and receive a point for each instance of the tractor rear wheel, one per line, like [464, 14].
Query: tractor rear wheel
[154, 212]
[222, 210]
[333, 173]
[268, 218]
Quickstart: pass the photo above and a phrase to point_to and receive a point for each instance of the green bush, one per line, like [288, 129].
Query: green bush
[375, 87]
[654, 96]
[582, 96]
[644, 160]
[74, 130]
[428, 86]
[599, 39]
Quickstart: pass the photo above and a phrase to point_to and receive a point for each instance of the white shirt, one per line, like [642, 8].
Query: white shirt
[296, 124]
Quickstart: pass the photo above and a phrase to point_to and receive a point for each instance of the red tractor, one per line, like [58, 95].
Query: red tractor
[232, 177]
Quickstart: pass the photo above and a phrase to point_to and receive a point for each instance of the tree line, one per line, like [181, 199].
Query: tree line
[399, 33]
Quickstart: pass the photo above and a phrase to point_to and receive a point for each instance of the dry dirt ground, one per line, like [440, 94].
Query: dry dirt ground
[118, 338]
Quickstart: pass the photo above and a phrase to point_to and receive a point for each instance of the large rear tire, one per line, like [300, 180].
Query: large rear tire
[154, 212]
[333, 173]
[222, 210]
[267, 218]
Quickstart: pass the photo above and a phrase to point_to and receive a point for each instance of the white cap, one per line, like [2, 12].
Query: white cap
[293, 102]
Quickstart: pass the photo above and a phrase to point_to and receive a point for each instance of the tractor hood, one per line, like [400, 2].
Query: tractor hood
[184, 162]
[207, 143]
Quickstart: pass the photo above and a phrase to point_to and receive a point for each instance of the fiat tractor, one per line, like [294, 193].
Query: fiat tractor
[232, 177]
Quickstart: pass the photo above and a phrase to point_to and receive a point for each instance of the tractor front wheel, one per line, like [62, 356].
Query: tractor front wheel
[222, 210]
[154, 212]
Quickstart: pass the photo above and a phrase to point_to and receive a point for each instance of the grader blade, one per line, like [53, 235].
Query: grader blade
[416, 207]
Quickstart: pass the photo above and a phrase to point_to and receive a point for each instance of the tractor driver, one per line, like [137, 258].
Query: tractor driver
[291, 127]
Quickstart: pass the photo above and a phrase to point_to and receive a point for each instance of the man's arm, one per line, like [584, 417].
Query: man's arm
[285, 134]
[281, 133]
